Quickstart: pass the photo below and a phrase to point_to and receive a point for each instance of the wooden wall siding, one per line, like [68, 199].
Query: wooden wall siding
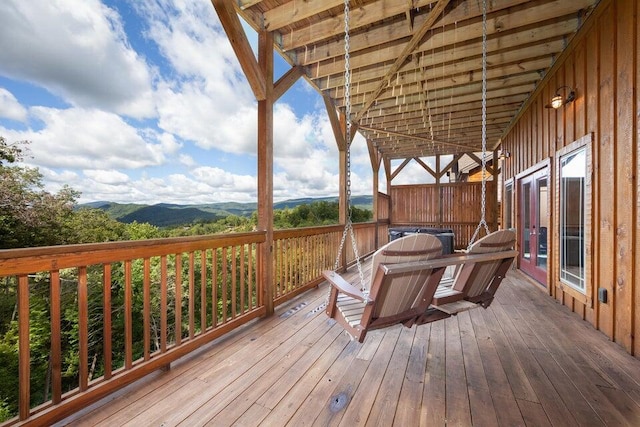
[455, 206]
[602, 65]
[383, 207]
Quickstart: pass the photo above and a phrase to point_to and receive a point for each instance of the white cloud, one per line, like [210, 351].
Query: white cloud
[175, 188]
[210, 120]
[10, 108]
[60, 178]
[110, 177]
[186, 160]
[220, 179]
[78, 138]
[77, 50]
[195, 96]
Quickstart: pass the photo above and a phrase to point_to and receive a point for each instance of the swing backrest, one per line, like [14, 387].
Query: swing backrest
[401, 293]
[479, 276]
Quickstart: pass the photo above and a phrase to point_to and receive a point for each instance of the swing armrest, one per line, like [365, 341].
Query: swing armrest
[345, 287]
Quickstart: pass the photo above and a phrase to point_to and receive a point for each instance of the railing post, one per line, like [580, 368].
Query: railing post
[376, 160]
[265, 169]
[24, 358]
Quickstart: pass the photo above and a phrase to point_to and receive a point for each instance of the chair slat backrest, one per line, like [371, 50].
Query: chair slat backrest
[483, 273]
[403, 292]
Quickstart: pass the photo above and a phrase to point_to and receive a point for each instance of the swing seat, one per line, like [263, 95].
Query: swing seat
[396, 295]
[478, 274]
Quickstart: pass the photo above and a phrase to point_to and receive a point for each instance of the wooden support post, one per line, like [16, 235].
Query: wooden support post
[265, 169]
[387, 170]
[374, 156]
[494, 194]
[342, 193]
[440, 193]
[339, 126]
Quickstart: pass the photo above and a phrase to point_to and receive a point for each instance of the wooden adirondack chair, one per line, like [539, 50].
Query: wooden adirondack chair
[477, 277]
[394, 296]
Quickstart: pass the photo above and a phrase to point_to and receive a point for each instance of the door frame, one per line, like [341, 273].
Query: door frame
[530, 267]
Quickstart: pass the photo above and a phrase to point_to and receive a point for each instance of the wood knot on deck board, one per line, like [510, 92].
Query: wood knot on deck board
[338, 402]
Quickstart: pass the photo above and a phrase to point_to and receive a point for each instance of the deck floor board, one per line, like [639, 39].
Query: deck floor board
[524, 361]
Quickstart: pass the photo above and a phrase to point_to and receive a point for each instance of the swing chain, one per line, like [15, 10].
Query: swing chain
[483, 209]
[348, 229]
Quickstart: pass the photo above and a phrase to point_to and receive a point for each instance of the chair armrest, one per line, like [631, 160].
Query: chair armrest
[345, 287]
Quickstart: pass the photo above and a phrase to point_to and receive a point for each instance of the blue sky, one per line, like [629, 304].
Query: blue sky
[144, 102]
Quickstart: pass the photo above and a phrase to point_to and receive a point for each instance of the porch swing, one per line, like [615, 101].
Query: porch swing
[406, 284]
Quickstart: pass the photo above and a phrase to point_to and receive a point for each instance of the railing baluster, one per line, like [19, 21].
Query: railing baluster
[83, 327]
[163, 303]
[146, 308]
[128, 320]
[24, 361]
[250, 276]
[203, 291]
[242, 281]
[106, 325]
[178, 301]
[192, 300]
[214, 287]
[224, 285]
[56, 339]
[234, 281]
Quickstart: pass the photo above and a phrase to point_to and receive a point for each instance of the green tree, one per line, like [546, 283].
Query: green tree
[141, 230]
[29, 215]
[92, 226]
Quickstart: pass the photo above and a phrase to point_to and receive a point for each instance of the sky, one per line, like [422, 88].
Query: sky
[145, 102]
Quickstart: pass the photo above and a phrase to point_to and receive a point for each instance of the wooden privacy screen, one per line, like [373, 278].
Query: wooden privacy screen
[455, 206]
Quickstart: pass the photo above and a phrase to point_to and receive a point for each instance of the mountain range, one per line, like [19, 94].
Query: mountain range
[167, 215]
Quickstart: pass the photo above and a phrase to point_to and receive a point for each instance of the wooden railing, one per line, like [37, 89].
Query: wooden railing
[301, 255]
[134, 307]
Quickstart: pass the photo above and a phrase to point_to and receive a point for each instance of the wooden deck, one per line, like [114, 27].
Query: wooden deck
[525, 361]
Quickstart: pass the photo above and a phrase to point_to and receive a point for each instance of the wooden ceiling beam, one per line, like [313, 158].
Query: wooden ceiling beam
[407, 50]
[415, 118]
[413, 81]
[244, 4]
[431, 104]
[431, 62]
[469, 139]
[444, 93]
[497, 124]
[231, 24]
[292, 12]
[458, 26]
[471, 107]
[450, 164]
[336, 125]
[334, 25]
[447, 101]
[425, 167]
[384, 131]
[399, 168]
[286, 81]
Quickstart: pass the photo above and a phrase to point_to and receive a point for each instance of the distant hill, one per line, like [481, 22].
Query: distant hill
[167, 215]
